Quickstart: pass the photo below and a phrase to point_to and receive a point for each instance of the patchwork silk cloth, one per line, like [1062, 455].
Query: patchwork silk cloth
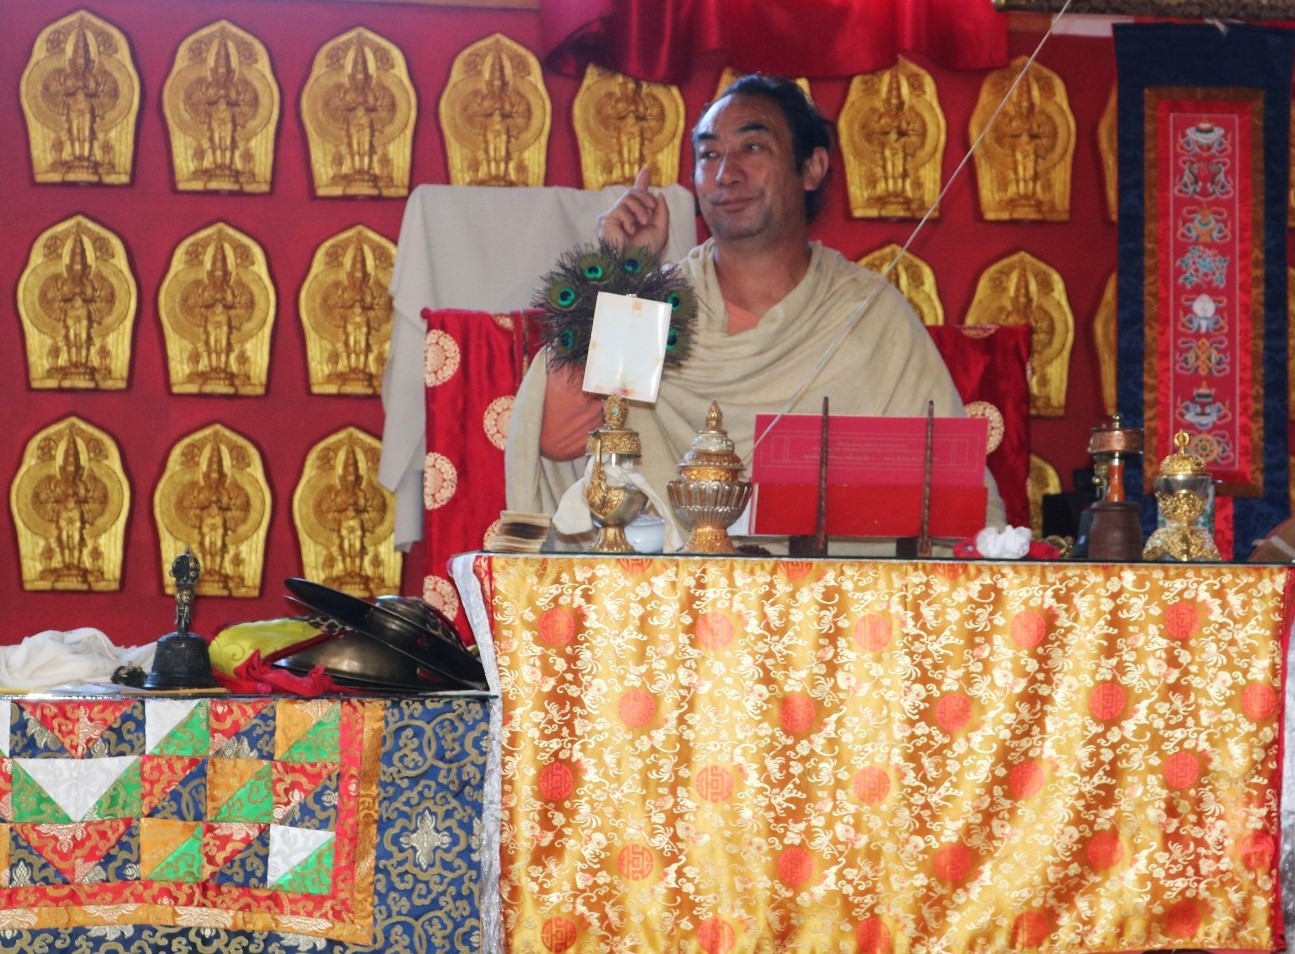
[733, 755]
[240, 825]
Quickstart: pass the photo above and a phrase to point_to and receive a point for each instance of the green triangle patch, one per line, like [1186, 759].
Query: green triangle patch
[32, 804]
[191, 735]
[184, 864]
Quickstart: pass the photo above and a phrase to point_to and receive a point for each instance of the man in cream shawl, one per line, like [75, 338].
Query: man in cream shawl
[771, 306]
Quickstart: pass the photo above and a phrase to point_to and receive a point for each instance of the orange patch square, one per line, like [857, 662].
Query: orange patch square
[873, 632]
[1104, 850]
[1182, 620]
[713, 630]
[795, 866]
[557, 782]
[1031, 929]
[1259, 701]
[952, 863]
[1257, 850]
[159, 839]
[1184, 919]
[716, 936]
[635, 862]
[872, 936]
[1106, 702]
[557, 627]
[559, 934]
[796, 713]
[636, 708]
[714, 783]
[1182, 770]
[1025, 779]
[871, 785]
[953, 712]
[1029, 629]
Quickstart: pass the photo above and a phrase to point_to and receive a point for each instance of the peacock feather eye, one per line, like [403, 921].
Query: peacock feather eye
[567, 339]
[674, 300]
[563, 296]
[594, 272]
[632, 266]
[594, 267]
[671, 340]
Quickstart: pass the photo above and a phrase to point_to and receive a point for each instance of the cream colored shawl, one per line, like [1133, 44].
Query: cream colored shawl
[887, 366]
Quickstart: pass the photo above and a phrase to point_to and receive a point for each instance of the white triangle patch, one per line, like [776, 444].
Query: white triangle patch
[76, 784]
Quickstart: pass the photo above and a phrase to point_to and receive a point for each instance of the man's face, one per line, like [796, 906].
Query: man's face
[745, 171]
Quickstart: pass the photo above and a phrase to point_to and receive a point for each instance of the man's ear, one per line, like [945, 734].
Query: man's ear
[814, 170]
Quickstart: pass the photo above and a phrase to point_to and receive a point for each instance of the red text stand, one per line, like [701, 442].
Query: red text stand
[875, 471]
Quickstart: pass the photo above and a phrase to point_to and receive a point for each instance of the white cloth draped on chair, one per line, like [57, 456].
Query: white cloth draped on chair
[483, 248]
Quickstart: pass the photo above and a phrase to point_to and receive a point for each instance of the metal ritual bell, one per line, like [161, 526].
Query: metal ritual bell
[181, 660]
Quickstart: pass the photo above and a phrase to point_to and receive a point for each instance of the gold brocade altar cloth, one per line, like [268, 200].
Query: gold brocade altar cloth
[737, 755]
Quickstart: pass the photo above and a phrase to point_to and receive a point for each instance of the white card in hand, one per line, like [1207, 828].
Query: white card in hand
[627, 346]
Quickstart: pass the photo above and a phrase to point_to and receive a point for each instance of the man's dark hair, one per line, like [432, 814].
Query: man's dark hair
[810, 130]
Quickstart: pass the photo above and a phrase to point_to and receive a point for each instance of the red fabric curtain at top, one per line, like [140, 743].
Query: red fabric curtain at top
[658, 40]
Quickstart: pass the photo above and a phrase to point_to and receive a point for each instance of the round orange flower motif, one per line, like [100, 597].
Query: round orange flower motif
[1257, 851]
[953, 712]
[871, 785]
[559, 934]
[1106, 701]
[1029, 629]
[715, 936]
[952, 863]
[635, 862]
[872, 936]
[1182, 770]
[796, 713]
[495, 421]
[1104, 850]
[1182, 620]
[1259, 701]
[1184, 918]
[1031, 929]
[714, 783]
[557, 782]
[713, 630]
[795, 866]
[441, 357]
[440, 480]
[873, 631]
[1025, 779]
[637, 708]
[557, 627]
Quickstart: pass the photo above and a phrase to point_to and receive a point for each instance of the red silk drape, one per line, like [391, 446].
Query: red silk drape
[659, 40]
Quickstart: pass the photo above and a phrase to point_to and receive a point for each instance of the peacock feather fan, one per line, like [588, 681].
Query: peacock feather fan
[566, 297]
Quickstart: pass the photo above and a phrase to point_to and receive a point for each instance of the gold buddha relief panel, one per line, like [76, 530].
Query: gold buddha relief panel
[346, 312]
[624, 124]
[345, 519]
[77, 299]
[1108, 131]
[1021, 290]
[359, 109]
[914, 278]
[221, 102]
[1023, 166]
[214, 500]
[1106, 345]
[496, 115]
[80, 95]
[893, 133]
[217, 306]
[69, 502]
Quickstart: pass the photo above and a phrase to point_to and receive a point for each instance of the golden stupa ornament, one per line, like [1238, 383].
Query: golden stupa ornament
[80, 93]
[1021, 290]
[709, 494]
[1023, 166]
[221, 102]
[78, 300]
[914, 278]
[214, 500]
[217, 306]
[69, 502]
[495, 115]
[359, 108]
[1184, 490]
[345, 311]
[624, 124]
[893, 134]
[345, 519]
[614, 500]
